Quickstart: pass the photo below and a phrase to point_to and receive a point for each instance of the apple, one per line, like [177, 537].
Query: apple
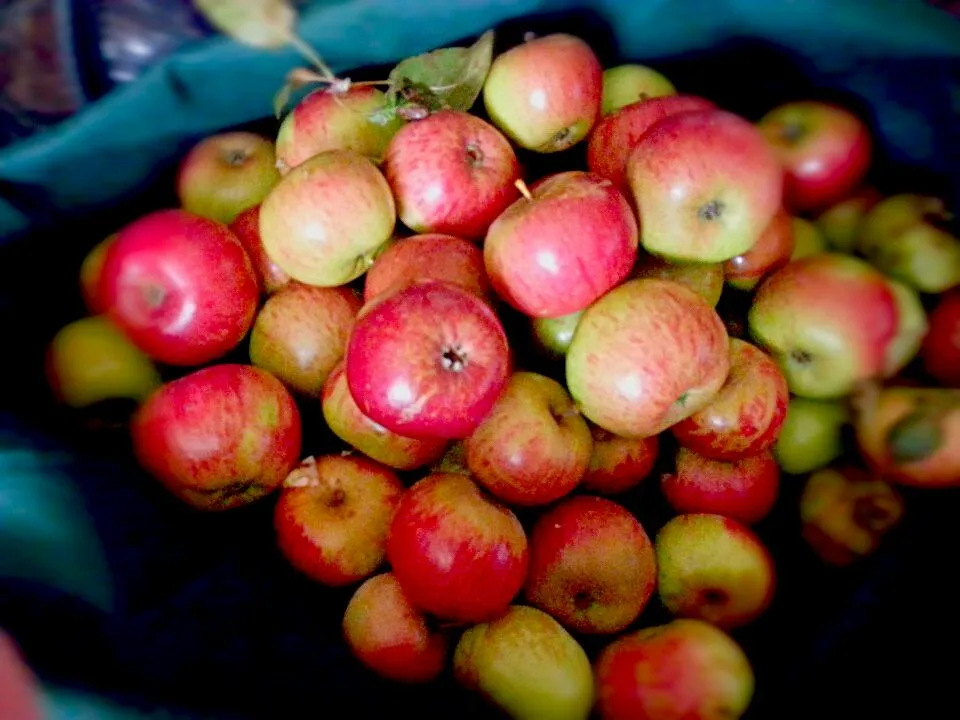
[456, 552]
[433, 256]
[90, 270]
[224, 174]
[839, 224]
[825, 150]
[912, 328]
[390, 636]
[428, 361]
[348, 423]
[940, 349]
[631, 83]
[592, 565]
[527, 665]
[745, 416]
[905, 236]
[301, 333]
[645, 356]
[618, 464]
[333, 515]
[807, 239]
[534, 446]
[812, 434]
[713, 568]
[246, 227]
[706, 186]
[559, 248]
[554, 335]
[451, 173]
[705, 279]
[453, 460]
[180, 286]
[334, 119]
[828, 320]
[745, 489]
[89, 360]
[846, 512]
[771, 252]
[617, 134]
[545, 93]
[680, 670]
[328, 218]
[21, 695]
[220, 437]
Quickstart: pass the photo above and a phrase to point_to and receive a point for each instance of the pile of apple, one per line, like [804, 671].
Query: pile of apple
[719, 294]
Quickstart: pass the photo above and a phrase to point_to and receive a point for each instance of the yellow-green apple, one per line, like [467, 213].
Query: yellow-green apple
[645, 356]
[616, 135]
[453, 460]
[681, 670]
[846, 512]
[332, 517]
[432, 256]
[428, 360]
[771, 252]
[807, 239]
[745, 416]
[335, 119]
[940, 351]
[21, 695]
[825, 150]
[569, 240]
[301, 333]
[527, 665]
[705, 279]
[328, 218]
[812, 434]
[534, 446]
[90, 269]
[592, 565]
[706, 185]
[713, 568]
[631, 83]
[89, 360]
[828, 320]
[451, 172]
[220, 437]
[745, 489]
[912, 328]
[348, 423]
[386, 633]
[458, 553]
[839, 224]
[225, 174]
[553, 335]
[544, 94]
[246, 227]
[180, 286]
[618, 464]
[904, 236]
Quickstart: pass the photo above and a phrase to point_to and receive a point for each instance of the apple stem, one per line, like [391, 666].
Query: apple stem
[302, 47]
[524, 190]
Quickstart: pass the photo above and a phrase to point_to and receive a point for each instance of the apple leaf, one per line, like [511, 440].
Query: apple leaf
[914, 437]
[257, 23]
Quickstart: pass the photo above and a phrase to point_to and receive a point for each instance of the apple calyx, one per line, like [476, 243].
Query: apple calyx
[475, 156]
[711, 211]
[792, 132]
[154, 296]
[453, 358]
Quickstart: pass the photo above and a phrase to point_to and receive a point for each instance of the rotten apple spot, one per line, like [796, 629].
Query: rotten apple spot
[453, 359]
[711, 211]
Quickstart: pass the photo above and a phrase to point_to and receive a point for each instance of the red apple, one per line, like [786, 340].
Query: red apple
[745, 416]
[225, 174]
[180, 286]
[940, 351]
[333, 516]
[706, 186]
[592, 565]
[246, 227]
[390, 636]
[825, 151]
[645, 356]
[555, 251]
[428, 360]
[457, 553]
[301, 333]
[771, 252]
[618, 464]
[617, 134]
[21, 696]
[452, 173]
[744, 489]
[220, 437]
[428, 257]
[347, 422]
[534, 446]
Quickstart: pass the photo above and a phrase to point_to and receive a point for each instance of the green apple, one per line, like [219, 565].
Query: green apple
[840, 223]
[528, 665]
[912, 327]
[807, 239]
[812, 434]
[626, 84]
[705, 279]
[553, 335]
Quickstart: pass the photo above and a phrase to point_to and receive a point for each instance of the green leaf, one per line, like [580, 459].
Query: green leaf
[914, 437]
[257, 23]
